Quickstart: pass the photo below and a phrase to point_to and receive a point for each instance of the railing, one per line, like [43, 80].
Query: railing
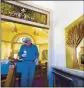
[64, 78]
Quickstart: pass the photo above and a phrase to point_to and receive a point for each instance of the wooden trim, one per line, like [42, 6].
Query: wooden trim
[8, 18]
[11, 77]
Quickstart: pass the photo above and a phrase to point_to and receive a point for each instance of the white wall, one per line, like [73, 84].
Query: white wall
[69, 11]
[64, 13]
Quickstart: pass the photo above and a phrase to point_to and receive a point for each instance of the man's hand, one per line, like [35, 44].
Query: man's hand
[36, 62]
[23, 55]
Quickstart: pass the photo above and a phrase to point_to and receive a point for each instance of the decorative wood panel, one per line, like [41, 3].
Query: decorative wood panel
[19, 12]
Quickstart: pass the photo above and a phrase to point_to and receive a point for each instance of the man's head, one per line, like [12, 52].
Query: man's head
[27, 41]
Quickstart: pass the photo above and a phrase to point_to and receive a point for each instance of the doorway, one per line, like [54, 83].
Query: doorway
[13, 40]
[25, 20]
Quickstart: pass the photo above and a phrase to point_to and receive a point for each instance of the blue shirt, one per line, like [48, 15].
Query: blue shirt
[32, 52]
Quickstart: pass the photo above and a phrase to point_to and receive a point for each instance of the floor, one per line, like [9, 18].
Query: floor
[40, 78]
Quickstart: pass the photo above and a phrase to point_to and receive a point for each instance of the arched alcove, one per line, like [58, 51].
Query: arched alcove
[17, 42]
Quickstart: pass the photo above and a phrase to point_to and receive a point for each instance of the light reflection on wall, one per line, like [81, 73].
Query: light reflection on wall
[9, 51]
[79, 47]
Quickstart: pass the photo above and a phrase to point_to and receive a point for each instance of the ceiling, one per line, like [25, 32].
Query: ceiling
[11, 29]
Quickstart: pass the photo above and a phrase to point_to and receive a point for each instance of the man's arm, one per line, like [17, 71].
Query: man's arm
[36, 56]
[20, 52]
[36, 53]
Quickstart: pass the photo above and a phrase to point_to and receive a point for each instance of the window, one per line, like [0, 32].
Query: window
[20, 39]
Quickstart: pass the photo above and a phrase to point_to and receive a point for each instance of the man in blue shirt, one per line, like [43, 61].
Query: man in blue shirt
[29, 55]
